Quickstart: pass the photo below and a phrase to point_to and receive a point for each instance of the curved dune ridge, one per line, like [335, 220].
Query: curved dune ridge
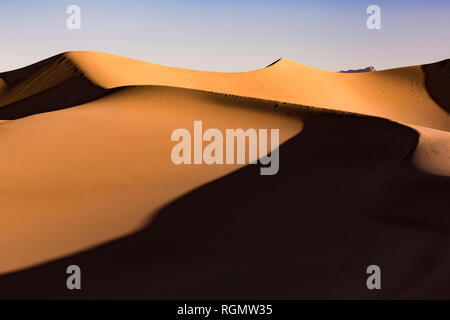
[397, 94]
[86, 142]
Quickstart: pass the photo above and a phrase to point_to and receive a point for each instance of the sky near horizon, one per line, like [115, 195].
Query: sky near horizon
[230, 36]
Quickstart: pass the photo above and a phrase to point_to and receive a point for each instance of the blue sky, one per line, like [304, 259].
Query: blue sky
[230, 35]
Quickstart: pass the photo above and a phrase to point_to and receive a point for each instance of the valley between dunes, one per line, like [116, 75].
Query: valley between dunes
[86, 178]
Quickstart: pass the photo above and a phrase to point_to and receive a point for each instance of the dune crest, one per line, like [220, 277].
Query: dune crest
[53, 84]
[437, 82]
[397, 94]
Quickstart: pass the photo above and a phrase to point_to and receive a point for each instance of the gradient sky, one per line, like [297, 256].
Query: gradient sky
[230, 35]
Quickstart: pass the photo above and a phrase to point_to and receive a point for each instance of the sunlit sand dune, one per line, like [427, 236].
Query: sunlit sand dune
[86, 177]
[398, 94]
[346, 197]
[101, 170]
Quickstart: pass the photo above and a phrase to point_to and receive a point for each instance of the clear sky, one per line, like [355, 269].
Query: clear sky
[230, 35]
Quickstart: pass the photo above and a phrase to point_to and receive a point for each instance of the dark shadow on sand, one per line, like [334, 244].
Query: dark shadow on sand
[68, 94]
[437, 82]
[72, 92]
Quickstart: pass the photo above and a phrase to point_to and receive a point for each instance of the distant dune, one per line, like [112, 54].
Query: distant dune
[368, 69]
[86, 178]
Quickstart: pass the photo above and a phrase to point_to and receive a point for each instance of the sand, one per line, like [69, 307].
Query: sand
[398, 94]
[307, 232]
[2, 85]
[432, 154]
[436, 75]
[86, 178]
[101, 170]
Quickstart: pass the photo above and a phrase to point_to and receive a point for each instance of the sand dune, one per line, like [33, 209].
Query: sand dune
[2, 85]
[437, 75]
[433, 151]
[50, 85]
[86, 161]
[398, 94]
[90, 170]
[50, 76]
[307, 232]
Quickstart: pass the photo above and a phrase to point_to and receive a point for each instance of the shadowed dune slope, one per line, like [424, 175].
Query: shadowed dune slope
[397, 94]
[53, 84]
[345, 197]
[438, 82]
[30, 80]
[14, 76]
[2, 85]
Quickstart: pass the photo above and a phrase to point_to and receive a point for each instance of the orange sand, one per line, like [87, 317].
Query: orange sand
[79, 177]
